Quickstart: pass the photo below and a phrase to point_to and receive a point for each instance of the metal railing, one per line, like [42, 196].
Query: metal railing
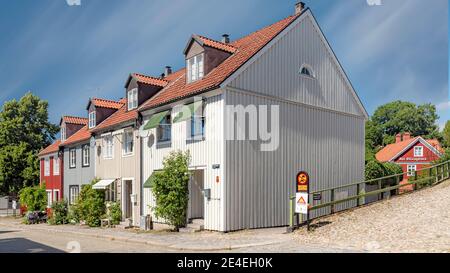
[390, 184]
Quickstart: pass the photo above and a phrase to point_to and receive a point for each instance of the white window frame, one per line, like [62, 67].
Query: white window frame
[46, 166]
[416, 151]
[63, 133]
[132, 98]
[92, 119]
[411, 170]
[196, 67]
[49, 198]
[73, 158]
[127, 136]
[56, 165]
[72, 194]
[164, 127]
[108, 141]
[86, 160]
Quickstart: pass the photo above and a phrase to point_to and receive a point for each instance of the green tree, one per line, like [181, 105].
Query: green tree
[446, 134]
[24, 131]
[170, 187]
[399, 117]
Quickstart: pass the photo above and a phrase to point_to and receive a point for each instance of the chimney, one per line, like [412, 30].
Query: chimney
[299, 7]
[226, 39]
[168, 71]
[398, 138]
[406, 136]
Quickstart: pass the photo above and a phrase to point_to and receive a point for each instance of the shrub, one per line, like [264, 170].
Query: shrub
[34, 198]
[91, 205]
[114, 212]
[170, 187]
[75, 214]
[59, 213]
[375, 169]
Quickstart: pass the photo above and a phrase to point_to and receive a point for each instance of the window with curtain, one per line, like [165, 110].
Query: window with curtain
[195, 67]
[109, 147]
[56, 166]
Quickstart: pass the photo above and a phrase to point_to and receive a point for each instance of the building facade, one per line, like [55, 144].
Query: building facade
[51, 172]
[245, 182]
[412, 153]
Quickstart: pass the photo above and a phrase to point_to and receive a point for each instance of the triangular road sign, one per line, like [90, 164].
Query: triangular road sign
[301, 201]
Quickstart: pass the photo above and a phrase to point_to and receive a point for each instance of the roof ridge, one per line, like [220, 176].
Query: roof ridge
[107, 100]
[69, 116]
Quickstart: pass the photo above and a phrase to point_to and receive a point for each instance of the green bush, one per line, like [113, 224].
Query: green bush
[170, 188]
[34, 198]
[89, 207]
[114, 212]
[375, 169]
[59, 214]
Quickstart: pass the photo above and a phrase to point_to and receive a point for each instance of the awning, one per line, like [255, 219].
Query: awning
[155, 120]
[149, 182]
[102, 184]
[188, 111]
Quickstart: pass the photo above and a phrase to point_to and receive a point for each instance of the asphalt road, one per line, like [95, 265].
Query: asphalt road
[29, 241]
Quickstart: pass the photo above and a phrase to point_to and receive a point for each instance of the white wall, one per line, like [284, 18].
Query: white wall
[204, 154]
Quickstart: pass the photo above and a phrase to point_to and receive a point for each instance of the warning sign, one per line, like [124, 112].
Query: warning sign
[302, 182]
[301, 203]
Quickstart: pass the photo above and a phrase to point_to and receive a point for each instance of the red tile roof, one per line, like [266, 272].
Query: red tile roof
[150, 80]
[120, 116]
[53, 148]
[81, 135]
[75, 120]
[110, 104]
[246, 47]
[390, 151]
[216, 44]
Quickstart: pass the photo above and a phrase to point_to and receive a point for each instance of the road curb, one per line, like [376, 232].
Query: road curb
[142, 241]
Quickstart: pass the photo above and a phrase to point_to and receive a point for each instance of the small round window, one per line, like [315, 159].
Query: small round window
[307, 71]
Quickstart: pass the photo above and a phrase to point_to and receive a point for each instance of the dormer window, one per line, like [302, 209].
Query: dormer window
[92, 120]
[132, 99]
[195, 68]
[63, 133]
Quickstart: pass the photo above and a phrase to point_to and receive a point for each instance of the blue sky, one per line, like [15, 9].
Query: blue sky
[66, 54]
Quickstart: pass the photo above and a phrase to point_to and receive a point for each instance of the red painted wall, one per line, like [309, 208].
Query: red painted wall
[53, 182]
[407, 158]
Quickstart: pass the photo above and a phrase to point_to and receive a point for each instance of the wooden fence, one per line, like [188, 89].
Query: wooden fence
[386, 186]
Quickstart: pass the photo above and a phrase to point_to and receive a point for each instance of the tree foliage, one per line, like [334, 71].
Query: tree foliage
[170, 188]
[90, 206]
[24, 131]
[399, 117]
[446, 134]
[34, 198]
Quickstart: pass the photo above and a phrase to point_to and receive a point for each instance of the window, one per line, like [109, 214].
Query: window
[418, 151]
[307, 71]
[412, 170]
[86, 156]
[197, 124]
[132, 99]
[49, 198]
[56, 166]
[128, 143]
[92, 121]
[110, 192]
[55, 195]
[195, 68]
[72, 158]
[164, 130]
[109, 144]
[74, 191]
[63, 133]
[47, 167]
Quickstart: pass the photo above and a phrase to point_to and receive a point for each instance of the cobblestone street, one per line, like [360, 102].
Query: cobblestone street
[416, 222]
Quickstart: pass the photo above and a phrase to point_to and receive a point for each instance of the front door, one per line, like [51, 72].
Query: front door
[196, 199]
[127, 205]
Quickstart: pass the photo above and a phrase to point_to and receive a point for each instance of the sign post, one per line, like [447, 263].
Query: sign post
[302, 195]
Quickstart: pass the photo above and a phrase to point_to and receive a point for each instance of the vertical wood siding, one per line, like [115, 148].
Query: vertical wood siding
[276, 72]
[204, 154]
[79, 175]
[328, 145]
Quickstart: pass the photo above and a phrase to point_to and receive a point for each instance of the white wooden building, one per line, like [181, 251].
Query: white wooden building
[236, 184]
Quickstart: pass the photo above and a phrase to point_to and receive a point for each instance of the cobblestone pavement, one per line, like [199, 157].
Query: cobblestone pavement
[415, 222]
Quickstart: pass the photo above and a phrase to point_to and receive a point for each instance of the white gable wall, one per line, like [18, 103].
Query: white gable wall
[276, 71]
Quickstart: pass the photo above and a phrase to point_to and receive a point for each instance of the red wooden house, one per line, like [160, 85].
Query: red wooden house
[51, 172]
[413, 154]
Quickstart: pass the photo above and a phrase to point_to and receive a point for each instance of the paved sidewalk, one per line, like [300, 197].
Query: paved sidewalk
[261, 240]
